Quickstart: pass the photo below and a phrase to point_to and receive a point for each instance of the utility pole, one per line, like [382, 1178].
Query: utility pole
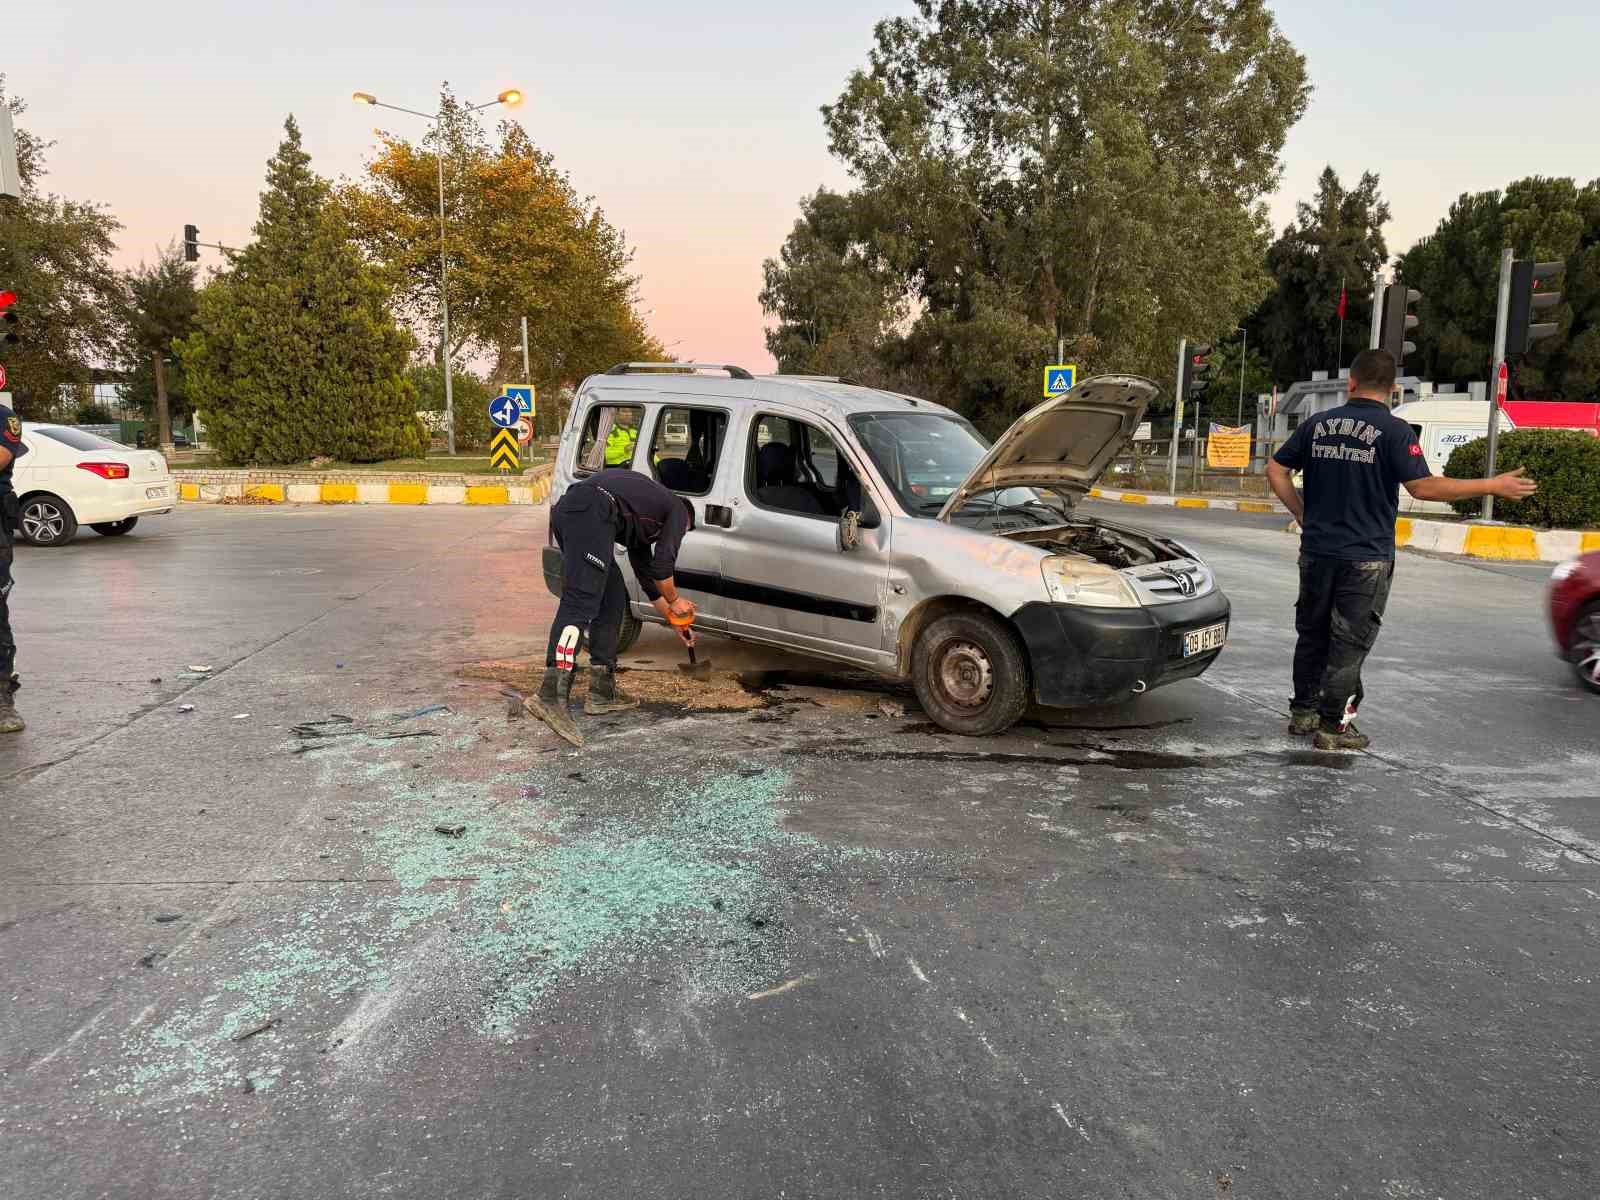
[1177, 417]
[1244, 348]
[1502, 309]
[527, 373]
[1377, 311]
[444, 305]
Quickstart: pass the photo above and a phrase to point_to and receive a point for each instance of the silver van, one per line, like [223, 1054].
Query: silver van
[883, 531]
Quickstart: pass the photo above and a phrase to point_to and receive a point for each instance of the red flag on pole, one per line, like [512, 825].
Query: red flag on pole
[1343, 296]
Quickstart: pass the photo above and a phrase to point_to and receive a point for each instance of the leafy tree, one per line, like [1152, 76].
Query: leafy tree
[1335, 240]
[835, 301]
[54, 253]
[471, 396]
[1457, 269]
[520, 242]
[1092, 170]
[294, 354]
[161, 306]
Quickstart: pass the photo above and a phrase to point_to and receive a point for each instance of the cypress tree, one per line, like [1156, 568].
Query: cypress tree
[294, 353]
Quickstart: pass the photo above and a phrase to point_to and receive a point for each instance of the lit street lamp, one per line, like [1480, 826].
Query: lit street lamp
[511, 97]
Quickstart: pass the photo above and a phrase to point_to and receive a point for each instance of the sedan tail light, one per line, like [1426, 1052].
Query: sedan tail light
[106, 470]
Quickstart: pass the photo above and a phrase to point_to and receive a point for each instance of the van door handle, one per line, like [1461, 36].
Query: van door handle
[720, 515]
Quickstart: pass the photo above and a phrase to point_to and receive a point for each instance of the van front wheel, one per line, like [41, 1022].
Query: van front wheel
[970, 673]
[632, 627]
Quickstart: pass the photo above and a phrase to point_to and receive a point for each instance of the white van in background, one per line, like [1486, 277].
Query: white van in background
[1442, 424]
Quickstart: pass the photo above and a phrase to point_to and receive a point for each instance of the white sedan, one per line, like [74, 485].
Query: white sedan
[70, 477]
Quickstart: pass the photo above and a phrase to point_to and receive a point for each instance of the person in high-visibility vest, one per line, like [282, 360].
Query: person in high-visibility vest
[620, 443]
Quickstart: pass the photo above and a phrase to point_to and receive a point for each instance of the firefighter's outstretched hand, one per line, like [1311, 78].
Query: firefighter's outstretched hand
[1514, 485]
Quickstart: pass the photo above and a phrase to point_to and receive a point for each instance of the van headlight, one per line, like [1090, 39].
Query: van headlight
[1091, 584]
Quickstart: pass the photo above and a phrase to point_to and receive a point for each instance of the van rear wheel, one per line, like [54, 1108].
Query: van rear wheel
[970, 673]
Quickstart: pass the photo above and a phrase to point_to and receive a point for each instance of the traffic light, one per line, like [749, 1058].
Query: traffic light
[1529, 296]
[1197, 371]
[8, 319]
[191, 244]
[1398, 320]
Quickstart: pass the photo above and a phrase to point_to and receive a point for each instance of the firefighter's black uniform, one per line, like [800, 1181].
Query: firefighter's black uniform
[10, 519]
[617, 506]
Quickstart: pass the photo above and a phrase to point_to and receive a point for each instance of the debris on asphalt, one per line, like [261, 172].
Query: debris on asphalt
[779, 990]
[186, 708]
[168, 918]
[450, 830]
[157, 679]
[150, 960]
[431, 710]
[244, 1035]
[240, 717]
[891, 709]
[200, 670]
[395, 737]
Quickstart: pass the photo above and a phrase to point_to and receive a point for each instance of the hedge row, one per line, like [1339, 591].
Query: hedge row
[1564, 462]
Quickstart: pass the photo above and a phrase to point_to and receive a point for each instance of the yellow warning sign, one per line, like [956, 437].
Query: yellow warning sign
[503, 454]
[1228, 446]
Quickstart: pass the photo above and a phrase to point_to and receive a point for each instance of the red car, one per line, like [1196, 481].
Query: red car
[1575, 616]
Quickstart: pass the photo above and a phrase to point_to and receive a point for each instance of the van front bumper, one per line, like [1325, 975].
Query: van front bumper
[1081, 656]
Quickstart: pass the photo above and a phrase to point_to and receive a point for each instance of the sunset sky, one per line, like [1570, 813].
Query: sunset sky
[695, 124]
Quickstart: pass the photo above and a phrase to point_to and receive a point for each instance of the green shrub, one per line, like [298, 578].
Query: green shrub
[1564, 462]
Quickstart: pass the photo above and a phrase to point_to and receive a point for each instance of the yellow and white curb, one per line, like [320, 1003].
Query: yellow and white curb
[1161, 500]
[526, 491]
[1506, 543]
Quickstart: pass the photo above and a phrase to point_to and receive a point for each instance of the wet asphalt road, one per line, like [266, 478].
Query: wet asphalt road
[800, 949]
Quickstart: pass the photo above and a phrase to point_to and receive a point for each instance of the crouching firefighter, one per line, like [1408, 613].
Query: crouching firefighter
[11, 449]
[610, 508]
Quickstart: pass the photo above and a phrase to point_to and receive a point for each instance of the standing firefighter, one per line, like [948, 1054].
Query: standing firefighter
[613, 507]
[1355, 458]
[11, 449]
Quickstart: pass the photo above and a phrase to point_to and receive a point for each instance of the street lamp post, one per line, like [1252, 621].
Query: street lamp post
[511, 97]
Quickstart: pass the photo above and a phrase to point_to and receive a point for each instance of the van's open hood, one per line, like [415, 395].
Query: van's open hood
[1065, 443]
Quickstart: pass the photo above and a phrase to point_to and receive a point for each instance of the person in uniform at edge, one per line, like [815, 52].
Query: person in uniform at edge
[617, 506]
[11, 449]
[1354, 458]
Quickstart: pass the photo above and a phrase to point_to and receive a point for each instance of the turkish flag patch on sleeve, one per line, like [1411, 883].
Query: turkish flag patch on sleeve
[1416, 450]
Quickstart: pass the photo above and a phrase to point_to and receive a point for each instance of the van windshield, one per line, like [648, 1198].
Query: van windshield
[926, 456]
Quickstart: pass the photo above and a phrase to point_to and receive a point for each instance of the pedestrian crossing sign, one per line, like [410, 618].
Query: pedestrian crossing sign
[503, 454]
[1060, 379]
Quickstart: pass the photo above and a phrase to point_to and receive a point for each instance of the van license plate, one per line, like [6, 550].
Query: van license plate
[1201, 640]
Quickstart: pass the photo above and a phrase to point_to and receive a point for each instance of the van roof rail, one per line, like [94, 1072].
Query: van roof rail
[844, 379]
[639, 367]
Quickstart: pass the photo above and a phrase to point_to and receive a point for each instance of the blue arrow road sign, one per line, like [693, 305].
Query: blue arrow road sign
[523, 395]
[503, 411]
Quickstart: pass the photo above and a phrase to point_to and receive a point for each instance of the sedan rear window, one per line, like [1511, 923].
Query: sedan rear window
[78, 439]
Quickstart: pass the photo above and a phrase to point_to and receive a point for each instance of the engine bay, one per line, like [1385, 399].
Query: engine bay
[1089, 539]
